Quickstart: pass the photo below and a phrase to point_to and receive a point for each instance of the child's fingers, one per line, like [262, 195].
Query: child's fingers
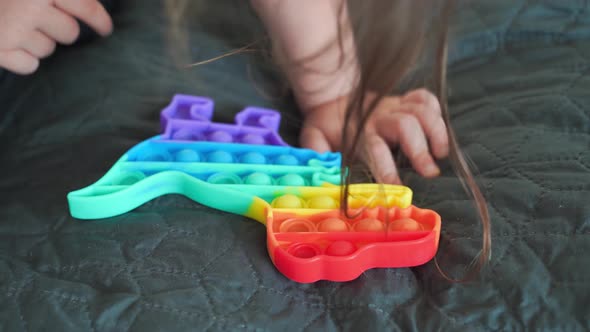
[426, 107]
[59, 26]
[19, 62]
[380, 160]
[313, 138]
[90, 12]
[413, 143]
[433, 125]
[423, 96]
[405, 130]
[38, 44]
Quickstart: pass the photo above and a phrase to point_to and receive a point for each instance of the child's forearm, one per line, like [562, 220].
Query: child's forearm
[308, 30]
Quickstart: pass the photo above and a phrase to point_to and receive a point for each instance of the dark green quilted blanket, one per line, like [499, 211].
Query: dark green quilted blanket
[520, 103]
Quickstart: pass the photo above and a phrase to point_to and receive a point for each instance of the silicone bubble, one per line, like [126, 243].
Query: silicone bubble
[221, 137]
[299, 225]
[405, 225]
[287, 159]
[253, 158]
[340, 248]
[183, 135]
[156, 156]
[369, 225]
[304, 250]
[188, 156]
[224, 178]
[332, 225]
[322, 202]
[221, 157]
[356, 202]
[259, 179]
[253, 139]
[288, 202]
[294, 180]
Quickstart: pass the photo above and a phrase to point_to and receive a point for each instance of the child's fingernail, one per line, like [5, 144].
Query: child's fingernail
[431, 170]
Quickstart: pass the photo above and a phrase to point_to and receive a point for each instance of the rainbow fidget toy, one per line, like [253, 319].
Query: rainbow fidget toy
[247, 169]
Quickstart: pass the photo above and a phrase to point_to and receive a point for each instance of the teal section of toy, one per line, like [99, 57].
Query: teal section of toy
[104, 200]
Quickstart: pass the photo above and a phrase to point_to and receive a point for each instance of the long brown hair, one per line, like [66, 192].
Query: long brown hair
[391, 39]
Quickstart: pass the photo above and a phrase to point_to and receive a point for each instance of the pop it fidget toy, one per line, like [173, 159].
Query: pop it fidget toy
[247, 169]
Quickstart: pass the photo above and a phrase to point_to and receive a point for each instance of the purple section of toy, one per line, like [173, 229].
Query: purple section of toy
[188, 118]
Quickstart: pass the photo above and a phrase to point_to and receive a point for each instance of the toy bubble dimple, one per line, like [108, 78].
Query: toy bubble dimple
[340, 248]
[355, 202]
[332, 225]
[182, 135]
[259, 179]
[156, 156]
[304, 250]
[224, 178]
[369, 225]
[188, 156]
[221, 157]
[298, 225]
[253, 158]
[247, 169]
[288, 202]
[294, 180]
[253, 139]
[322, 202]
[405, 225]
[221, 136]
[287, 160]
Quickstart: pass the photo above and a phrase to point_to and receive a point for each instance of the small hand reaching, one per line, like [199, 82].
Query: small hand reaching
[30, 29]
[412, 121]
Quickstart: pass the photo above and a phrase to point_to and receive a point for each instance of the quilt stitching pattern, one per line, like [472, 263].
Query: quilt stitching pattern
[165, 275]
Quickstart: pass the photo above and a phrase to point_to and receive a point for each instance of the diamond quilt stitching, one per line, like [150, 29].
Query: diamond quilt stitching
[504, 77]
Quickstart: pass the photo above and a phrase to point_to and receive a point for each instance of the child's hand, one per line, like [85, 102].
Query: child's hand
[30, 29]
[410, 121]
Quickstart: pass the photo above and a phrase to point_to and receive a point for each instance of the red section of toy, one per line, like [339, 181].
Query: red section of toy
[328, 246]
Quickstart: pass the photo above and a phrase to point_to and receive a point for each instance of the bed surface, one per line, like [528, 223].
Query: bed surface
[519, 82]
